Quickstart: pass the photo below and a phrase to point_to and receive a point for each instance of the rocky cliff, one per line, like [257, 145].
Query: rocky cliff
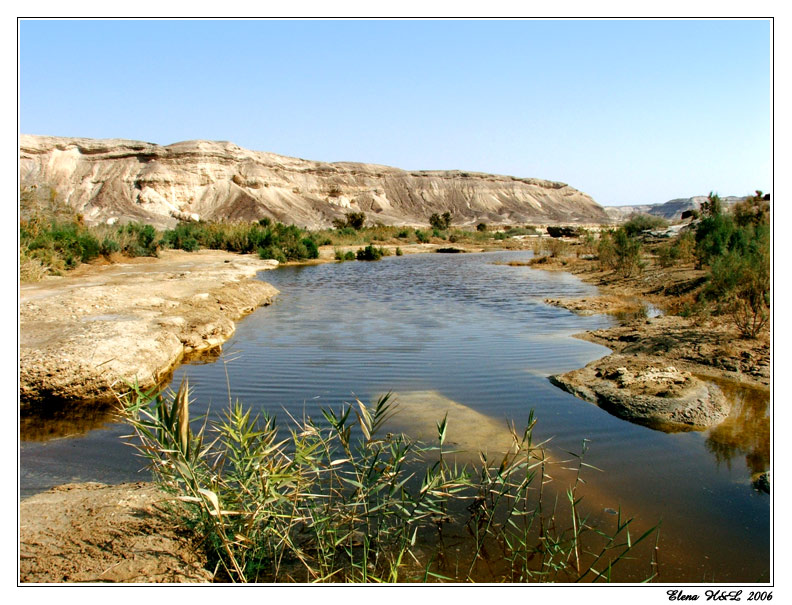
[119, 180]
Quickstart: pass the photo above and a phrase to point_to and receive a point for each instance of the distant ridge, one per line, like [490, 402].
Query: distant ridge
[120, 180]
[671, 210]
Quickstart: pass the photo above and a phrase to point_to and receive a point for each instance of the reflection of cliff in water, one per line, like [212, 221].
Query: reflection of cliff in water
[58, 419]
[746, 432]
[59, 422]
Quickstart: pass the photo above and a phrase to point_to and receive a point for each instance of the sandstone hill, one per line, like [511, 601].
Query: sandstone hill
[120, 180]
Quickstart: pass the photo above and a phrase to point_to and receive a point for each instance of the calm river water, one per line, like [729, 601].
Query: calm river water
[476, 332]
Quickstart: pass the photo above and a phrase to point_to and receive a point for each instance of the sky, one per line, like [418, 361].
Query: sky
[630, 112]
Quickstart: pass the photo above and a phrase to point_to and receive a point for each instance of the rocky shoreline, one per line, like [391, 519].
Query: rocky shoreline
[663, 368]
[86, 336]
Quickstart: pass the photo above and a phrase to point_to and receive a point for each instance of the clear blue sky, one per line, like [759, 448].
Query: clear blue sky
[630, 112]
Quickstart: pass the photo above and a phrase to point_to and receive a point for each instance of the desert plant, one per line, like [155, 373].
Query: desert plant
[557, 248]
[620, 252]
[638, 223]
[440, 222]
[371, 253]
[344, 500]
[739, 280]
[353, 220]
[753, 211]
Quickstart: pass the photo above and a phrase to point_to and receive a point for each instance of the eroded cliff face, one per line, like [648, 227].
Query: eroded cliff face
[119, 180]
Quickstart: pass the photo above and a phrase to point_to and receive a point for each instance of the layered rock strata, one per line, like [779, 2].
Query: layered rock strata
[121, 180]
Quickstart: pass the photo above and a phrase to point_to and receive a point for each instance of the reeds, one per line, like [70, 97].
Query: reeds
[344, 500]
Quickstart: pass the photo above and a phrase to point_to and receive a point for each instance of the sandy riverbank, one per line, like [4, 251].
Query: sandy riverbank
[85, 335]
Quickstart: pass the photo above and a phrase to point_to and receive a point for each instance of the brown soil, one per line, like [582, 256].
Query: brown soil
[97, 533]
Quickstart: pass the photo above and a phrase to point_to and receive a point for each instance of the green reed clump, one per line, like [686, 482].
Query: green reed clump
[344, 500]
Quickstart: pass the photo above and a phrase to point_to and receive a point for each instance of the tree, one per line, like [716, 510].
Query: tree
[713, 206]
[441, 222]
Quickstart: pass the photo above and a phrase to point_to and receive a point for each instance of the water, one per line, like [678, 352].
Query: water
[477, 333]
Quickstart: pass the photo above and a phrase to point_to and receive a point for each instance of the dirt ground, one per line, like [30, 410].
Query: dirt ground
[97, 533]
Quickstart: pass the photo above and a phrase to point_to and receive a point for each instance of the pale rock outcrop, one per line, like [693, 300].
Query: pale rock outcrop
[88, 337]
[640, 391]
[124, 180]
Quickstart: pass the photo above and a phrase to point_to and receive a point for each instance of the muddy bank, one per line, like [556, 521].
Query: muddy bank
[664, 367]
[84, 336]
[97, 533]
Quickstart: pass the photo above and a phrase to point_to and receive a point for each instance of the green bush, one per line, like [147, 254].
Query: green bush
[736, 249]
[638, 223]
[272, 252]
[421, 236]
[620, 252]
[182, 237]
[342, 256]
[371, 253]
[739, 279]
[143, 240]
[440, 222]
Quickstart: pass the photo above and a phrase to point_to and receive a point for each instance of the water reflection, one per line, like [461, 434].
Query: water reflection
[746, 432]
[44, 425]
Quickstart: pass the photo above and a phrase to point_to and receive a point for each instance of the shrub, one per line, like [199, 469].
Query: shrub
[399, 251]
[371, 253]
[421, 236]
[681, 250]
[481, 227]
[182, 237]
[440, 222]
[342, 256]
[272, 252]
[638, 223]
[753, 211]
[620, 252]
[739, 280]
[557, 248]
[143, 239]
[352, 220]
